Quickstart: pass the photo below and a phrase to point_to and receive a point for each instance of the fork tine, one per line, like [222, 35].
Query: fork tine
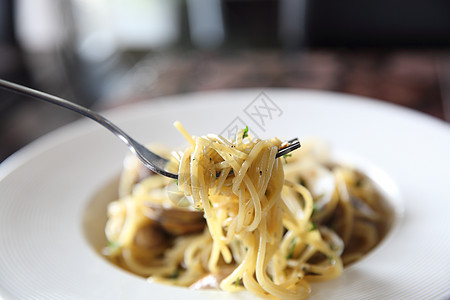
[293, 144]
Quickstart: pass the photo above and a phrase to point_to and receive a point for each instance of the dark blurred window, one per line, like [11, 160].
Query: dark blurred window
[379, 23]
[342, 23]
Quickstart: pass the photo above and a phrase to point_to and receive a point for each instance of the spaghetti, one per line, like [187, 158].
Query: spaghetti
[243, 219]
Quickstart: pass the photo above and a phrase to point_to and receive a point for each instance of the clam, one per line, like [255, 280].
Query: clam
[176, 221]
[167, 211]
[152, 238]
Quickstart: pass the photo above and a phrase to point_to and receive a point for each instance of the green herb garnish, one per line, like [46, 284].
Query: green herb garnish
[313, 226]
[286, 156]
[333, 247]
[236, 282]
[315, 209]
[113, 245]
[245, 133]
[291, 249]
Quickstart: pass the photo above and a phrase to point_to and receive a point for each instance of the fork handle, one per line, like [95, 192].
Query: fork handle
[17, 88]
[134, 146]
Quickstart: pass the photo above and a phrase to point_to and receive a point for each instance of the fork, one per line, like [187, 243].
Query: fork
[151, 160]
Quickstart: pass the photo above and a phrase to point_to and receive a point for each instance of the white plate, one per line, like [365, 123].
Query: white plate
[47, 240]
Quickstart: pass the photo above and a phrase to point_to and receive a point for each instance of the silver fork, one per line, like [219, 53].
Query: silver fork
[151, 160]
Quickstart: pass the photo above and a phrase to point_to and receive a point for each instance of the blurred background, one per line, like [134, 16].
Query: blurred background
[104, 54]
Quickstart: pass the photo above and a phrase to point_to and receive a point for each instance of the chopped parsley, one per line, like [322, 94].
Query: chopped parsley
[286, 156]
[333, 247]
[236, 282]
[291, 249]
[245, 133]
[313, 226]
[113, 244]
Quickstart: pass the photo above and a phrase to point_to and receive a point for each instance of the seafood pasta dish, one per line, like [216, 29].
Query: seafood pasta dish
[238, 218]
